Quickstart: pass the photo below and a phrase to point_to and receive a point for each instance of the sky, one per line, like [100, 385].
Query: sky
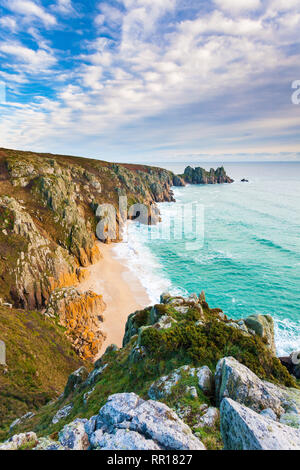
[151, 80]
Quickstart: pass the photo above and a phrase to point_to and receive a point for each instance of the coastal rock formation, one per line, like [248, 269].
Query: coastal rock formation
[34, 266]
[81, 315]
[200, 176]
[51, 218]
[263, 325]
[20, 441]
[126, 422]
[235, 381]
[244, 429]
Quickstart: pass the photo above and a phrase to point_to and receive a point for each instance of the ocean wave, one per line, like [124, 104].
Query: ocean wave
[287, 336]
[142, 262]
[271, 244]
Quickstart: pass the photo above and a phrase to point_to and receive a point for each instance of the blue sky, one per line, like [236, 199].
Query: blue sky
[151, 80]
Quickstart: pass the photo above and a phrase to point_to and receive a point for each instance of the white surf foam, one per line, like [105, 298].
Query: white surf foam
[139, 259]
[287, 336]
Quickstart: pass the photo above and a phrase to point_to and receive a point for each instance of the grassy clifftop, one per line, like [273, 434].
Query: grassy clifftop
[39, 358]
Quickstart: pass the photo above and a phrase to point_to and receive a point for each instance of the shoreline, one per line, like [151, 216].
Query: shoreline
[122, 292]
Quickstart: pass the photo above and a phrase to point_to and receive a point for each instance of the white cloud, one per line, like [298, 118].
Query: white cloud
[64, 6]
[154, 69]
[238, 6]
[29, 60]
[8, 22]
[30, 10]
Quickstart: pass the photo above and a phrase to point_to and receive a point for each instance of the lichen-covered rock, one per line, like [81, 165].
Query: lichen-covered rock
[62, 413]
[75, 379]
[81, 315]
[263, 325]
[36, 266]
[123, 439]
[234, 380]
[291, 419]
[95, 375]
[151, 420]
[74, 437]
[292, 363]
[45, 443]
[163, 386]
[209, 419]
[19, 441]
[244, 429]
[205, 380]
[21, 420]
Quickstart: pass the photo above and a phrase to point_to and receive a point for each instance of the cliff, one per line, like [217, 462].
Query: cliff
[48, 218]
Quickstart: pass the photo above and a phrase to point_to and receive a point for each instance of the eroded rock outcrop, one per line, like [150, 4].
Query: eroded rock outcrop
[81, 315]
[237, 382]
[148, 420]
[244, 429]
[200, 176]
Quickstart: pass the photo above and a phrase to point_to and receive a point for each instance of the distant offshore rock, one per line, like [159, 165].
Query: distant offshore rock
[244, 180]
[201, 176]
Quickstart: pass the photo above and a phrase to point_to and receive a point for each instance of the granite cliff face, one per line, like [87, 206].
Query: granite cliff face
[48, 217]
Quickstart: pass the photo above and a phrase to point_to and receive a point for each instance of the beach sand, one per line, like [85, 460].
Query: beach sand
[122, 292]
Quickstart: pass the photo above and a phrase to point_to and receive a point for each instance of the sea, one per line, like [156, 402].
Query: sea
[239, 242]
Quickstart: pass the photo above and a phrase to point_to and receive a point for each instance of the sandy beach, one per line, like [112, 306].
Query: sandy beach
[122, 292]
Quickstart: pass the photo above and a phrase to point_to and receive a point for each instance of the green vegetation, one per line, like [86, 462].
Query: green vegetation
[39, 359]
[184, 343]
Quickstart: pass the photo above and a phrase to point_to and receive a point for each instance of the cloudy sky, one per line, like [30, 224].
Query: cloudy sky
[151, 80]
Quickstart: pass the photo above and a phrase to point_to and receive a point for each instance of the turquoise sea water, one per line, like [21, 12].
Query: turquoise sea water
[249, 259]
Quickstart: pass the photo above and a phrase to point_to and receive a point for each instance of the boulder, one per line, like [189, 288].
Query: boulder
[19, 441]
[45, 443]
[73, 436]
[268, 413]
[205, 380]
[62, 413]
[244, 429]
[209, 419]
[123, 439]
[234, 380]
[149, 420]
[263, 325]
[163, 386]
